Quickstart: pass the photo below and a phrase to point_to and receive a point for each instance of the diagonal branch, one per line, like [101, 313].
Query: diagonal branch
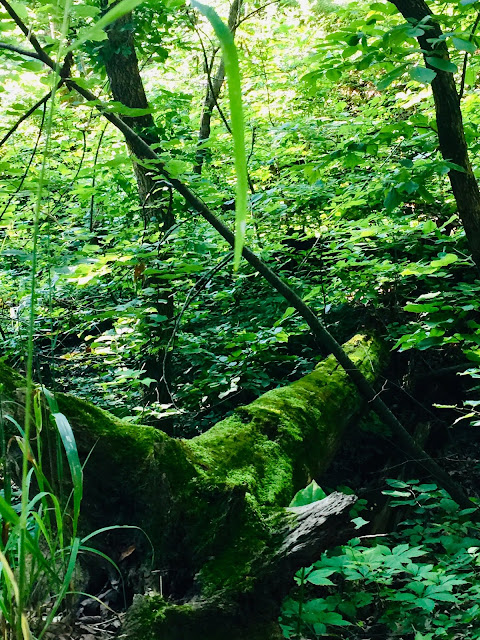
[22, 52]
[404, 439]
[27, 114]
[31, 37]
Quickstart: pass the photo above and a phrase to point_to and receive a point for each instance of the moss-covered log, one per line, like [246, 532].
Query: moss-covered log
[213, 506]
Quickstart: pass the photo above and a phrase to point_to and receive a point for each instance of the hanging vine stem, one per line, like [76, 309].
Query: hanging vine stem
[94, 176]
[32, 156]
[139, 146]
[197, 287]
[465, 58]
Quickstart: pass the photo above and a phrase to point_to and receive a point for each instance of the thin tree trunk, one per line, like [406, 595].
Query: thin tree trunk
[214, 86]
[121, 64]
[451, 135]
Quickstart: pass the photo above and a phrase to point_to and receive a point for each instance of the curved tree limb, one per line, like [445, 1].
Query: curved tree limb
[22, 52]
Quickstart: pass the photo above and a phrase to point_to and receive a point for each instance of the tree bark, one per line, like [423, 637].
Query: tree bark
[214, 86]
[451, 135]
[214, 506]
[121, 64]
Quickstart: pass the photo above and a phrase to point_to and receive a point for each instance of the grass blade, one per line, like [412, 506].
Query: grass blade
[232, 70]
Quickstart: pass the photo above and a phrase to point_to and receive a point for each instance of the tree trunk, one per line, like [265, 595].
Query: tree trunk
[214, 506]
[451, 136]
[126, 85]
[214, 86]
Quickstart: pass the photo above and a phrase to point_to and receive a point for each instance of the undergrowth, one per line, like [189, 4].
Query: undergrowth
[418, 583]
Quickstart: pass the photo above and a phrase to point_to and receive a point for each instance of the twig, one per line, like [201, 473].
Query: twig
[27, 114]
[27, 169]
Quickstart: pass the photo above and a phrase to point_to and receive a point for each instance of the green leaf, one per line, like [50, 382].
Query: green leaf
[68, 440]
[333, 74]
[444, 260]
[85, 11]
[331, 617]
[320, 577]
[470, 76]
[310, 494]
[390, 77]
[359, 522]
[442, 64]
[420, 308]
[94, 32]
[463, 45]
[425, 603]
[392, 200]
[232, 71]
[422, 74]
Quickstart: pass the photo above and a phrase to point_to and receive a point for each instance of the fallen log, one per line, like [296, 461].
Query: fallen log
[214, 506]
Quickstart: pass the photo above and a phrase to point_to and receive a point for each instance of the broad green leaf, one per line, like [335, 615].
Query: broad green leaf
[333, 74]
[20, 9]
[232, 71]
[310, 494]
[470, 76]
[429, 225]
[420, 308]
[444, 260]
[442, 64]
[425, 603]
[320, 577]
[331, 617]
[463, 45]
[359, 522]
[392, 200]
[85, 11]
[422, 74]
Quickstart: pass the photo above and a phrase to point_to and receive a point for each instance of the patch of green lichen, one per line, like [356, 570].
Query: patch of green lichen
[281, 440]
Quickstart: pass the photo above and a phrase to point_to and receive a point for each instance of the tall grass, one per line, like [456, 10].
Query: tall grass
[39, 546]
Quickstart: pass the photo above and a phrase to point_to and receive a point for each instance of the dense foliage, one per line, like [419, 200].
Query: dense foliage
[135, 303]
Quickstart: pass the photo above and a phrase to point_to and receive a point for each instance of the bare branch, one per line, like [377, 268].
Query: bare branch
[31, 37]
[27, 114]
[465, 57]
[22, 52]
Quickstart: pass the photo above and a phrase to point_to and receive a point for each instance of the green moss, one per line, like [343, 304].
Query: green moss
[152, 618]
[133, 475]
[281, 440]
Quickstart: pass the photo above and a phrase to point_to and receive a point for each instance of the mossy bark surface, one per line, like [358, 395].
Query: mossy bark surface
[213, 506]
